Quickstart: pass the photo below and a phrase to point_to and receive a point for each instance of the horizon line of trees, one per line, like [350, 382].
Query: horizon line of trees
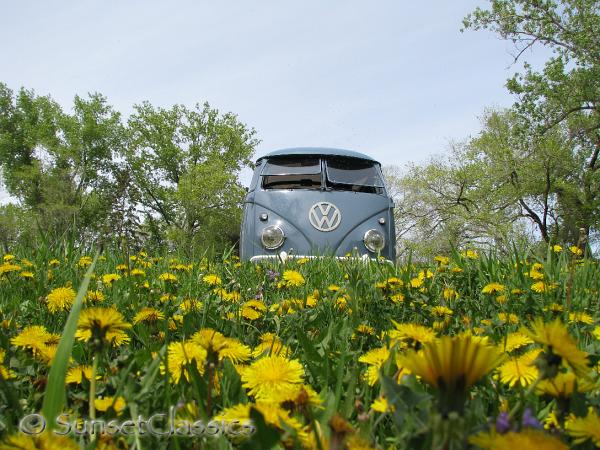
[163, 177]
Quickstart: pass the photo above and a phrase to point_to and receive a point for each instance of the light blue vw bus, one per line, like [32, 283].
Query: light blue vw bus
[309, 202]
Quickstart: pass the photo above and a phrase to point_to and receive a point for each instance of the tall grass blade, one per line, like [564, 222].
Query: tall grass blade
[55, 393]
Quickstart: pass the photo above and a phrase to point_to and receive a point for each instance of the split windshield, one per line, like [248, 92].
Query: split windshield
[331, 173]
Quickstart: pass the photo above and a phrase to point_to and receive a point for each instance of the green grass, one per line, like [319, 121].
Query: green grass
[325, 338]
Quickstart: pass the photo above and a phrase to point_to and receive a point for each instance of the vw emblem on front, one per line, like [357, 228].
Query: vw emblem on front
[324, 216]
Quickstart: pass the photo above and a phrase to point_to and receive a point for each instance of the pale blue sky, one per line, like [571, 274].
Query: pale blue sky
[396, 80]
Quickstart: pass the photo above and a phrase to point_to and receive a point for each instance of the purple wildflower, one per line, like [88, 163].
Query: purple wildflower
[502, 423]
[529, 420]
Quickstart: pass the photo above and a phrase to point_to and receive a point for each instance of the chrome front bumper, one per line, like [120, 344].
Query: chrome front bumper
[283, 257]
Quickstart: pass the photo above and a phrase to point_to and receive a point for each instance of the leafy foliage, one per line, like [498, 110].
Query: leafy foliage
[167, 176]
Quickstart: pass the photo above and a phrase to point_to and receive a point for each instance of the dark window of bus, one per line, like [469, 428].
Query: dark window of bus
[352, 174]
[292, 173]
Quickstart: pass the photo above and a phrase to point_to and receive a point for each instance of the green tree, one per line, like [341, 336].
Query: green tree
[525, 173]
[564, 94]
[450, 202]
[60, 166]
[185, 163]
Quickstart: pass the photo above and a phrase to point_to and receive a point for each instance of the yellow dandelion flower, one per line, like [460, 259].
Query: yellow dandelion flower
[381, 285]
[168, 277]
[182, 354]
[253, 309]
[42, 441]
[396, 282]
[292, 278]
[5, 373]
[212, 279]
[449, 294]
[554, 308]
[272, 413]
[375, 358]
[581, 317]
[584, 428]
[416, 282]
[540, 287]
[99, 326]
[60, 298]
[557, 248]
[54, 263]
[75, 375]
[7, 268]
[110, 278]
[493, 288]
[312, 299]
[515, 341]
[424, 274]
[563, 385]
[397, 298]
[365, 329]
[117, 404]
[441, 311]
[94, 296]
[233, 296]
[470, 254]
[47, 353]
[190, 304]
[272, 377]
[452, 365]
[526, 439]
[575, 250]
[440, 325]
[84, 261]
[148, 315]
[270, 344]
[181, 267]
[381, 405]
[536, 275]
[508, 318]
[415, 335]
[356, 442]
[167, 297]
[137, 273]
[520, 370]
[443, 260]
[551, 421]
[215, 342]
[33, 337]
[556, 338]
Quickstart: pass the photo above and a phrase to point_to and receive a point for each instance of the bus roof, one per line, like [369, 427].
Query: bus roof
[317, 151]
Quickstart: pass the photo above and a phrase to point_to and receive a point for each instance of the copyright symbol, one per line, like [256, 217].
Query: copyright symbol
[32, 424]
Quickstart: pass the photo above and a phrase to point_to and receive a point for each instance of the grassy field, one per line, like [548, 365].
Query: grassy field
[466, 351]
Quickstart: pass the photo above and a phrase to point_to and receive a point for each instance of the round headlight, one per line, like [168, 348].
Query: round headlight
[272, 237]
[374, 240]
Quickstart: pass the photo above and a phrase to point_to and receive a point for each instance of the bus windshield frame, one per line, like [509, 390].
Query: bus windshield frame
[322, 173]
